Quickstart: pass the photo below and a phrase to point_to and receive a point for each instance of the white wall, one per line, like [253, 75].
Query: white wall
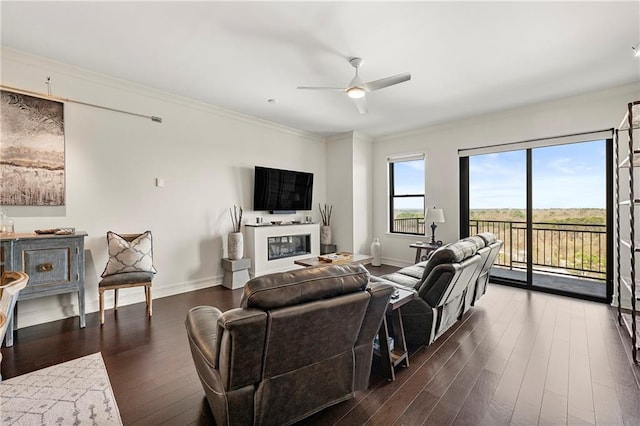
[362, 193]
[205, 154]
[588, 112]
[340, 189]
[350, 190]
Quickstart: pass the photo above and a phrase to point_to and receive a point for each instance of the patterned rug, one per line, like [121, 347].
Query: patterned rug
[77, 392]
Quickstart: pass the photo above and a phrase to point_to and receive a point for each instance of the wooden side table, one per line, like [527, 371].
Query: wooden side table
[427, 247]
[399, 355]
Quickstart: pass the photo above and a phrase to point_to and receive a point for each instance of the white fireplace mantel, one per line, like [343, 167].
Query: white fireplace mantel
[258, 250]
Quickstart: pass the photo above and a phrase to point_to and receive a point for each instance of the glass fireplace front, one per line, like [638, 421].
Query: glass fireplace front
[288, 246]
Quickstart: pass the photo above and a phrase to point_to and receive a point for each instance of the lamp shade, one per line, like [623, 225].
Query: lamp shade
[435, 215]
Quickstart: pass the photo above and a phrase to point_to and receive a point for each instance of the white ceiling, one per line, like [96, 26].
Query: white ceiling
[466, 58]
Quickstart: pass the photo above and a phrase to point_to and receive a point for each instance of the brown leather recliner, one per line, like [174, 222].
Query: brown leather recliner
[301, 341]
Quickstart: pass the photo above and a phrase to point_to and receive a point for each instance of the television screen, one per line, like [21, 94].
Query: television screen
[282, 190]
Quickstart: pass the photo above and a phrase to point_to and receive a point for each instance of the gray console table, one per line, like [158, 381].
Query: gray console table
[54, 263]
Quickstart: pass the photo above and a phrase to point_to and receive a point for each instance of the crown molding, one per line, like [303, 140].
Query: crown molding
[114, 83]
[614, 91]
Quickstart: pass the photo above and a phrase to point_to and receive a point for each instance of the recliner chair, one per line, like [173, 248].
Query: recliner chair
[301, 341]
[494, 245]
[441, 284]
[484, 252]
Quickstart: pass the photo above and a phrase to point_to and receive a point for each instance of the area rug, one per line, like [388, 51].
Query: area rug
[76, 392]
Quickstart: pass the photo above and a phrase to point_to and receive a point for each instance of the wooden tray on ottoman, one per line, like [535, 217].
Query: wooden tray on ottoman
[316, 261]
[339, 258]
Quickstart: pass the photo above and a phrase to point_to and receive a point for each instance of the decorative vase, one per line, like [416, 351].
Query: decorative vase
[325, 234]
[235, 246]
[6, 224]
[376, 252]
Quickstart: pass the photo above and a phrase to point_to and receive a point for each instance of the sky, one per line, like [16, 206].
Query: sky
[409, 179]
[564, 176]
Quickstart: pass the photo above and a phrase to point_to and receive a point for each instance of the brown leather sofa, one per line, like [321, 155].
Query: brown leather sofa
[447, 284]
[301, 341]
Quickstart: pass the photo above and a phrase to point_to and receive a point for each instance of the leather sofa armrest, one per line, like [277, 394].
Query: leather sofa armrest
[241, 331]
[375, 279]
[380, 295]
[202, 330]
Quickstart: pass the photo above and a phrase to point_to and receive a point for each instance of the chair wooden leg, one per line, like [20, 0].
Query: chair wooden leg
[149, 300]
[101, 293]
[115, 300]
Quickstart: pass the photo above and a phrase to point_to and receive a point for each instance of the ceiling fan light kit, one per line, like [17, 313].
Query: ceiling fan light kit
[356, 92]
[357, 89]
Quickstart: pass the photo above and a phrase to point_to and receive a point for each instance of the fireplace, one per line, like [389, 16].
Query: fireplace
[288, 246]
[274, 248]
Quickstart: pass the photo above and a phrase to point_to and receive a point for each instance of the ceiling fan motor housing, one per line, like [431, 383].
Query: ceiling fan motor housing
[356, 62]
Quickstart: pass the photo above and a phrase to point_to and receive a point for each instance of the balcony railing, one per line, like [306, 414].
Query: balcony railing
[562, 248]
[412, 225]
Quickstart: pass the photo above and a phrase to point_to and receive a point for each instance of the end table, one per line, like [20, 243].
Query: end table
[392, 325]
[427, 247]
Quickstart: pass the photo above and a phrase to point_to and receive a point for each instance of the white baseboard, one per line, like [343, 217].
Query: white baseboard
[136, 295]
[55, 308]
[400, 263]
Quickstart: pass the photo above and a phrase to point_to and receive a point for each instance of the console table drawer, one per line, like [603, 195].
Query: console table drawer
[48, 266]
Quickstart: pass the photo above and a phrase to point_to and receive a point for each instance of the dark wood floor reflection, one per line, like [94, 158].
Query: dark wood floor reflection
[519, 357]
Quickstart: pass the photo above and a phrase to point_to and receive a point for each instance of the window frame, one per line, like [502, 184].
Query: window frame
[392, 195]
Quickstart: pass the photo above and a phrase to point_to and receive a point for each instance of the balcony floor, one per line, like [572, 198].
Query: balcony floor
[575, 285]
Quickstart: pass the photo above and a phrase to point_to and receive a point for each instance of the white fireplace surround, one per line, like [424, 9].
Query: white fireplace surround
[258, 249]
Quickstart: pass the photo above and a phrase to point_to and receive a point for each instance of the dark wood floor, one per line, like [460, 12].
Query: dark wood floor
[518, 358]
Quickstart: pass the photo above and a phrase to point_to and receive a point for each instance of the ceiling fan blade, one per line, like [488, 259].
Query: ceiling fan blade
[386, 82]
[320, 88]
[361, 104]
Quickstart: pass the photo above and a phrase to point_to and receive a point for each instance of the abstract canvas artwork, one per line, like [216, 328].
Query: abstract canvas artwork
[32, 168]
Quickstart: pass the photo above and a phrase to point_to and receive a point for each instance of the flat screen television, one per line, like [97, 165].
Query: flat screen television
[278, 190]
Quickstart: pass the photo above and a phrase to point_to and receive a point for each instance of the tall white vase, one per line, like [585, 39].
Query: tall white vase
[235, 246]
[325, 234]
[376, 252]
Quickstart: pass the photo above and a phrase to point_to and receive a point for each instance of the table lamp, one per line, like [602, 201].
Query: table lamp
[434, 215]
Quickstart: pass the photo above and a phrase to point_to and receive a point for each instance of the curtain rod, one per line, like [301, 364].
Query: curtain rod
[56, 98]
[405, 157]
[568, 135]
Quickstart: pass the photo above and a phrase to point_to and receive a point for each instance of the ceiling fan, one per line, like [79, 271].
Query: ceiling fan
[357, 89]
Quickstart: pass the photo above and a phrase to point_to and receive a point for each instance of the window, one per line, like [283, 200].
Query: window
[406, 195]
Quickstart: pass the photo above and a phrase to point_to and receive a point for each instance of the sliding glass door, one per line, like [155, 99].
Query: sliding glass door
[569, 223]
[551, 206]
[498, 204]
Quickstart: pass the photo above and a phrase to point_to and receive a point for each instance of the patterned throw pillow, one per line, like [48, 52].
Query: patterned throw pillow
[125, 256]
